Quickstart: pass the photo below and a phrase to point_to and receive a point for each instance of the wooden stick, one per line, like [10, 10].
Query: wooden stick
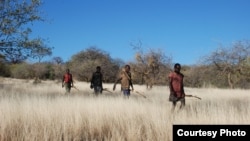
[140, 94]
[75, 87]
[106, 89]
[193, 96]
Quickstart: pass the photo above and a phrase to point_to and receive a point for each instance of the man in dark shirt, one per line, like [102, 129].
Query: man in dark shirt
[96, 81]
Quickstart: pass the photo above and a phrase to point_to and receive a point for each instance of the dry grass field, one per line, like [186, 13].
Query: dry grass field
[44, 112]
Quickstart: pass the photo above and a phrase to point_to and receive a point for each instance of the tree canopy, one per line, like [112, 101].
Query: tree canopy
[16, 45]
[232, 61]
[85, 62]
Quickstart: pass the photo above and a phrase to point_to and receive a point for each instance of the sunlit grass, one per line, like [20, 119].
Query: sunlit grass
[44, 112]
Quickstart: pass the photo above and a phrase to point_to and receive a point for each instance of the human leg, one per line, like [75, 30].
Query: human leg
[182, 100]
[126, 93]
[67, 87]
[97, 90]
[173, 105]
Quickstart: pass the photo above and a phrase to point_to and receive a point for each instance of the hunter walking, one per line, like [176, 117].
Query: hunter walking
[96, 81]
[67, 81]
[176, 86]
[126, 81]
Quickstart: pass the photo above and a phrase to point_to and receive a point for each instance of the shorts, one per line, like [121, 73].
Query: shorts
[126, 92]
[98, 89]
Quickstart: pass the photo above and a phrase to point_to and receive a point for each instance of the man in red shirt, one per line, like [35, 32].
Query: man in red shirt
[67, 81]
[176, 86]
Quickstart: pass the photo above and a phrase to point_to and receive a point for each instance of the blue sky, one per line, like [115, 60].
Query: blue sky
[184, 29]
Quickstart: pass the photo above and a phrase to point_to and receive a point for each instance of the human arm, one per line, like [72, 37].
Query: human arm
[129, 77]
[101, 82]
[63, 81]
[182, 88]
[91, 81]
[72, 83]
[171, 89]
[118, 80]
[71, 80]
[131, 84]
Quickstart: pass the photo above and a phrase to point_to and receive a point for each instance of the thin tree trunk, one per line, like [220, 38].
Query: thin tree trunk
[229, 79]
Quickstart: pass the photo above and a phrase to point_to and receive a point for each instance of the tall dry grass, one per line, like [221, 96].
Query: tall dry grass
[44, 112]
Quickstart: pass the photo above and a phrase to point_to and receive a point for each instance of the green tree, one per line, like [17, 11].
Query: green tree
[4, 67]
[15, 43]
[22, 71]
[84, 63]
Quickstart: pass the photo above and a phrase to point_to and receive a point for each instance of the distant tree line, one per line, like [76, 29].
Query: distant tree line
[226, 67]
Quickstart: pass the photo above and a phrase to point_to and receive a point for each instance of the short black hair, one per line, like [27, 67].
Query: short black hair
[177, 64]
[98, 67]
[127, 66]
